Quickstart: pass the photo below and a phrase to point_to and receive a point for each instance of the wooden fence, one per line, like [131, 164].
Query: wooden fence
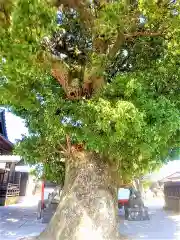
[8, 192]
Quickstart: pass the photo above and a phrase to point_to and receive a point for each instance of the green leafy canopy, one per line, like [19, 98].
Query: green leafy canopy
[133, 118]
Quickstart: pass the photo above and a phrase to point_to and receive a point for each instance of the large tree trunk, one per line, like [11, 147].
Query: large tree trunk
[88, 206]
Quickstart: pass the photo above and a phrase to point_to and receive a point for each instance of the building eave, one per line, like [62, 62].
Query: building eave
[10, 158]
[10, 144]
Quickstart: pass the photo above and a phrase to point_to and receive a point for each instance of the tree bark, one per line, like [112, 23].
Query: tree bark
[88, 205]
[139, 186]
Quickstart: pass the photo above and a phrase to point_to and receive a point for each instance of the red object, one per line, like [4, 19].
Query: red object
[42, 195]
[123, 201]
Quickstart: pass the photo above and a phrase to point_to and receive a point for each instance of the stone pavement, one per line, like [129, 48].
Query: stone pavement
[17, 221]
[162, 225]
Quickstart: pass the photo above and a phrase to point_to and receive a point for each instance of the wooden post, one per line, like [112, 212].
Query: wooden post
[42, 195]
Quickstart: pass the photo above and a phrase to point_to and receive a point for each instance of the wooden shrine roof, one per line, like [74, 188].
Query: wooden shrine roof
[6, 146]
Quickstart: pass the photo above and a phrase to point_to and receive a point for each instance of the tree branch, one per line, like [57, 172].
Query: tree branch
[145, 34]
[83, 7]
[116, 46]
[122, 37]
[5, 15]
[68, 141]
[63, 148]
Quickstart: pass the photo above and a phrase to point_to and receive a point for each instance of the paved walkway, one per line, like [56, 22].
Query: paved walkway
[19, 220]
[162, 225]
